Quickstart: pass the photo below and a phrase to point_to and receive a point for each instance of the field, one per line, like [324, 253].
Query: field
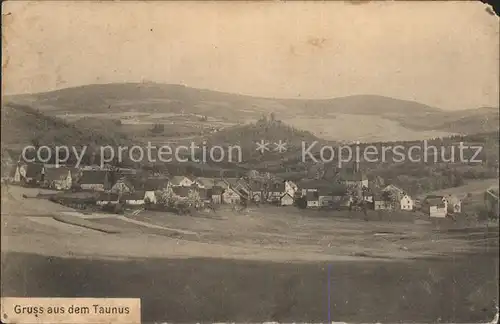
[259, 264]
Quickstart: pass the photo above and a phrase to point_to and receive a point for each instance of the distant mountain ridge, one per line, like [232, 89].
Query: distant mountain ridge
[377, 117]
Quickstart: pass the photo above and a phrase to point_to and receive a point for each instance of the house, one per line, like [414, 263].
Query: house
[34, 173]
[286, 199]
[238, 185]
[312, 198]
[325, 197]
[230, 196]
[58, 178]
[205, 194]
[216, 194]
[107, 198]
[95, 180]
[308, 185]
[435, 206]
[406, 203]
[256, 190]
[342, 201]
[135, 198]
[181, 181]
[380, 202]
[151, 186]
[275, 191]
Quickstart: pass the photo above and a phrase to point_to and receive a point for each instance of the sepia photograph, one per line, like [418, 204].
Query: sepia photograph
[250, 162]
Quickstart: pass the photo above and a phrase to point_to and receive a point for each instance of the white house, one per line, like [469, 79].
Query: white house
[406, 203]
[286, 200]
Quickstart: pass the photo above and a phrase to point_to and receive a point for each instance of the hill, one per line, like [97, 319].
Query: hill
[358, 117]
[22, 125]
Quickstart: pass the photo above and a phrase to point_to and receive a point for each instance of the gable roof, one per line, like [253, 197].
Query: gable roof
[93, 177]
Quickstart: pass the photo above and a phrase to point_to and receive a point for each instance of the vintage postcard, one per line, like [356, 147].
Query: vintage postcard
[189, 162]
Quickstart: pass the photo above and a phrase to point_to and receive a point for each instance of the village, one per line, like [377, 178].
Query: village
[115, 189]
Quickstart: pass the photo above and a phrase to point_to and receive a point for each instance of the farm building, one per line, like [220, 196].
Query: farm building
[435, 206]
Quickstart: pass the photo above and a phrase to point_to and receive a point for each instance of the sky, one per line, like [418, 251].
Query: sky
[443, 54]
